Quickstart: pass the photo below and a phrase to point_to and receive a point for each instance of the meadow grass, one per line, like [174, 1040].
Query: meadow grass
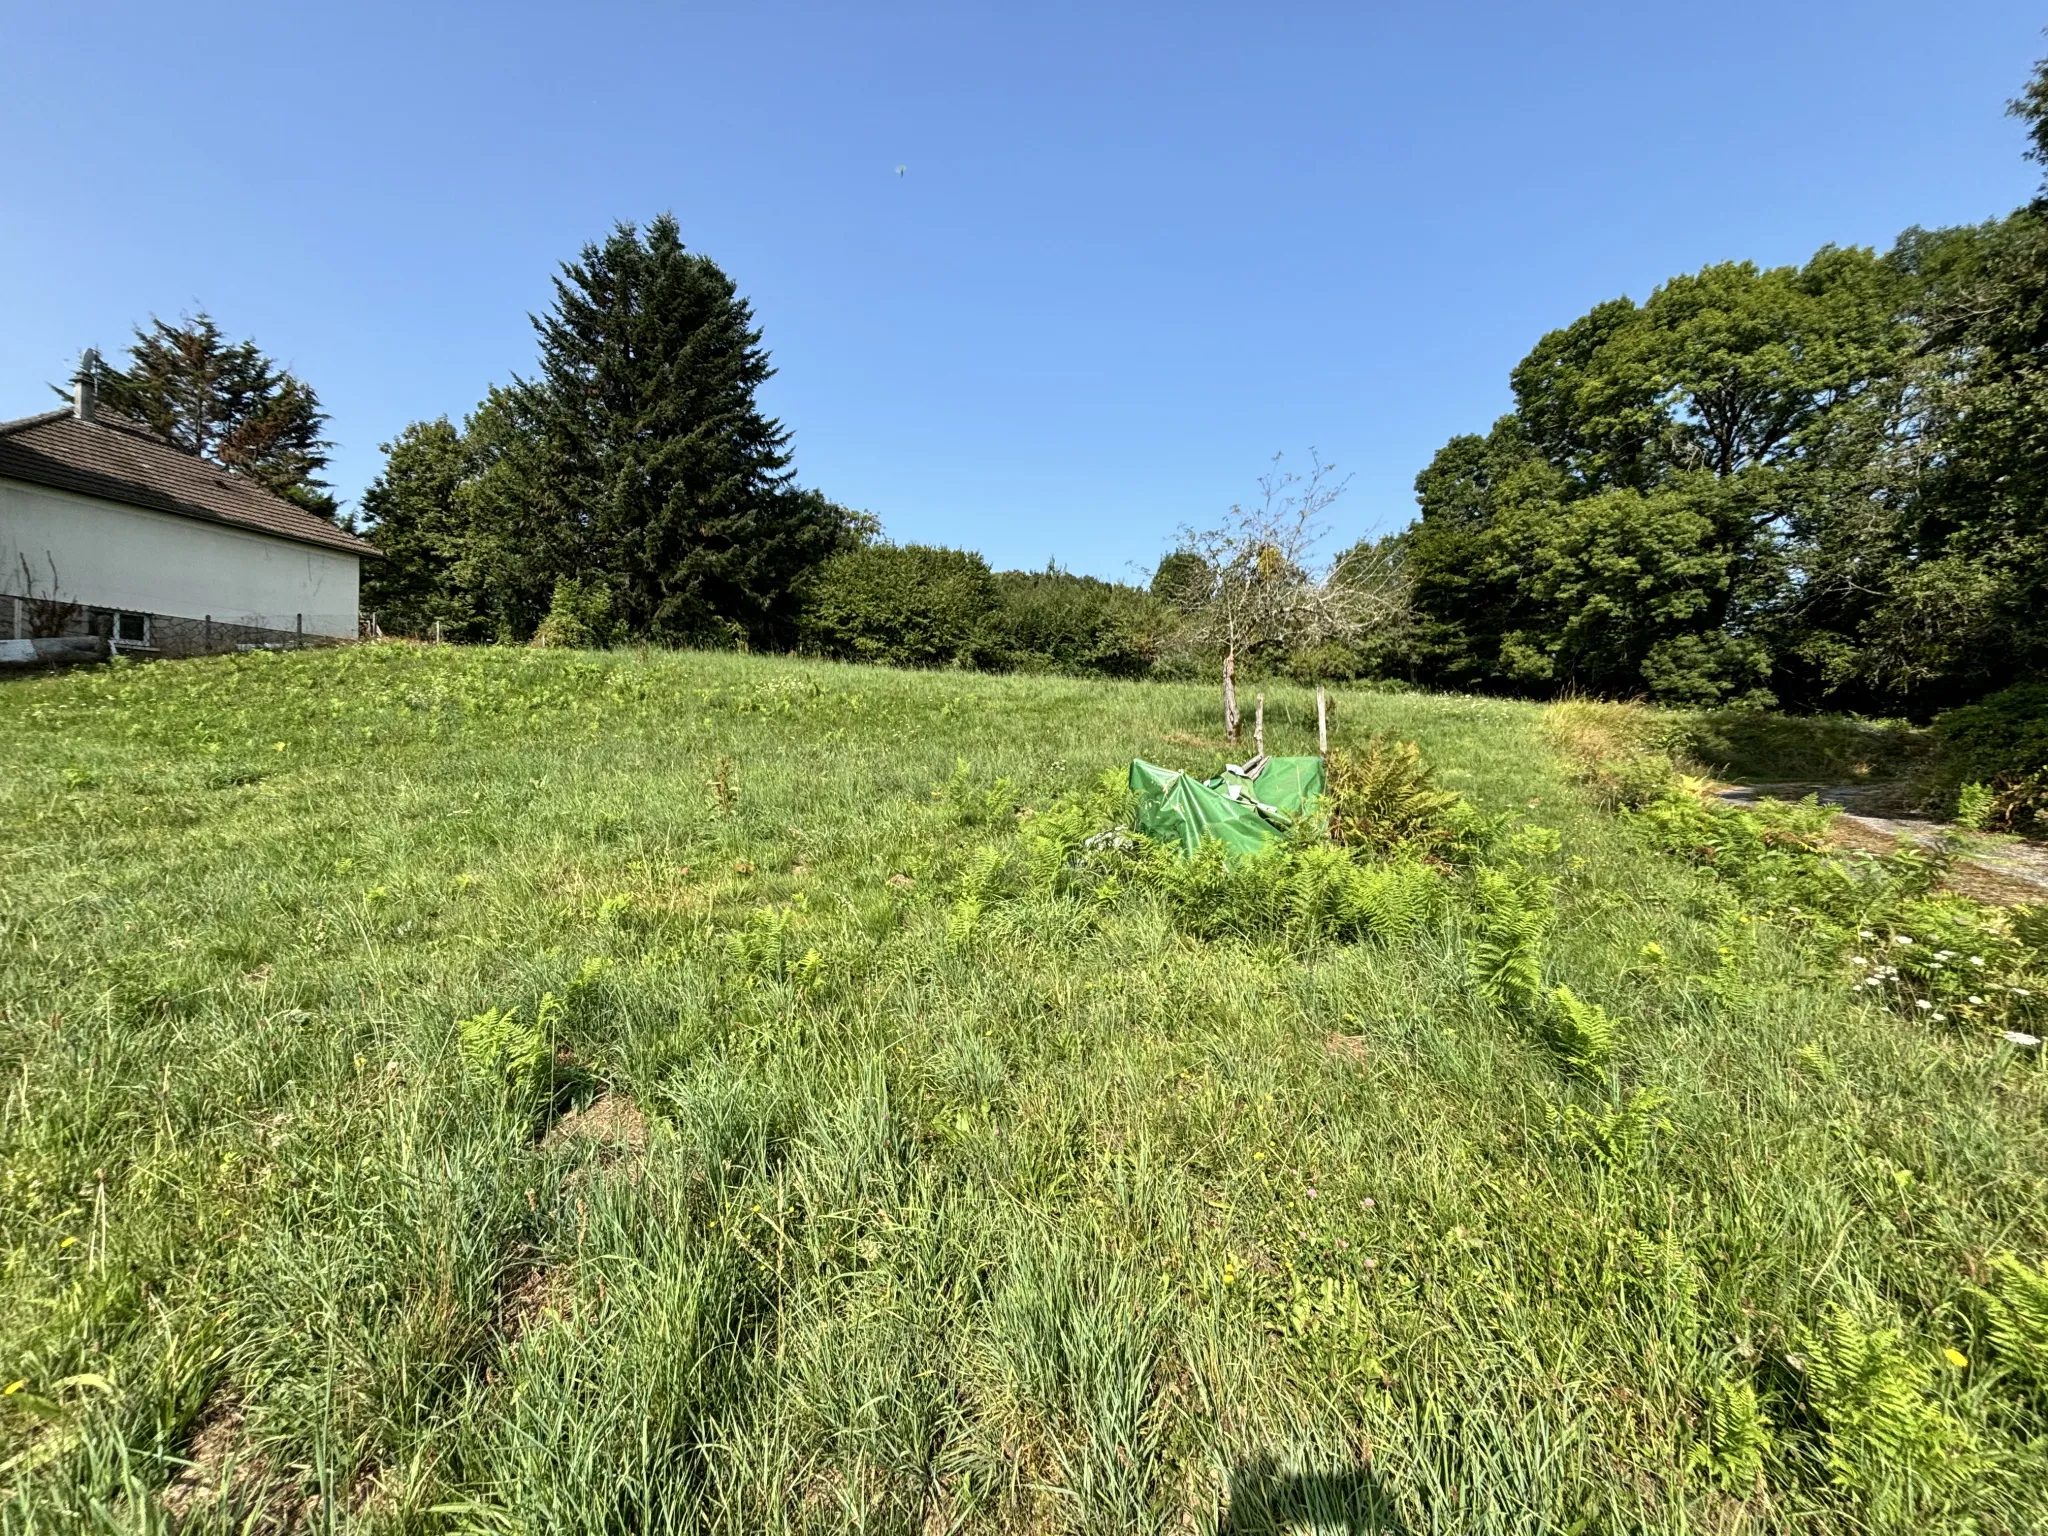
[858, 1156]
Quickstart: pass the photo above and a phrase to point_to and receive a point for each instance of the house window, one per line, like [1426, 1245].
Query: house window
[131, 629]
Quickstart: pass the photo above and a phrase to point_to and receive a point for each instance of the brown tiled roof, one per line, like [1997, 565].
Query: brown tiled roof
[117, 460]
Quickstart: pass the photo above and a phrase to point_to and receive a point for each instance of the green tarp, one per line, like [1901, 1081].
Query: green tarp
[1243, 813]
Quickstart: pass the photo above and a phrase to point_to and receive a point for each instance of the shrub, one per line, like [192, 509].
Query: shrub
[579, 617]
[1051, 621]
[909, 605]
[2000, 742]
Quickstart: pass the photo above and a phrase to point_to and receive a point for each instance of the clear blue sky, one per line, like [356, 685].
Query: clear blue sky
[1134, 251]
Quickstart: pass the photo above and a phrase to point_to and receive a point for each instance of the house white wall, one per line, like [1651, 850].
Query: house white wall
[111, 556]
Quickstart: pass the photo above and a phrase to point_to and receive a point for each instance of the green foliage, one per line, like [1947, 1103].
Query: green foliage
[1975, 804]
[1616, 1138]
[497, 1044]
[908, 606]
[227, 402]
[1753, 746]
[579, 617]
[1581, 1033]
[1509, 921]
[1882, 1431]
[2000, 746]
[420, 530]
[770, 946]
[981, 883]
[1053, 621]
[2016, 1319]
[1383, 798]
[970, 1234]
[974, 805]
[1738, 1441]
[1309, 894]
[637, 462]
[1819, 484]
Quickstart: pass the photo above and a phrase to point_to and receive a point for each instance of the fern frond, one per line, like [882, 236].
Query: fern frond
[1884, 1434]
[1581, 1033]
[1738, 1438]
[2016, 1317]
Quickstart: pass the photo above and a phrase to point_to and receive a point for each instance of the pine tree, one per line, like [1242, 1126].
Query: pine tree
[414, 509]
[227, 402]
[653, 467]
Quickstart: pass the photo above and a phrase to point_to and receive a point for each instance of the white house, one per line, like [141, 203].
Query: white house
[108, 530]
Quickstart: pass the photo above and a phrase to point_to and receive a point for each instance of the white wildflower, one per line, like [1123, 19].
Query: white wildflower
[1922, 1003]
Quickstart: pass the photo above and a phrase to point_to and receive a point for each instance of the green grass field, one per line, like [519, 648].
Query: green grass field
[864, 1154]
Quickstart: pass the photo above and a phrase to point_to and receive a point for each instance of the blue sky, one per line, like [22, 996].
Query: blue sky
[1135, 250]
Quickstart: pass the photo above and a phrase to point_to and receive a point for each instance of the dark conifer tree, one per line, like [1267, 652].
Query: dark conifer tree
[227, 402]
[655, 467]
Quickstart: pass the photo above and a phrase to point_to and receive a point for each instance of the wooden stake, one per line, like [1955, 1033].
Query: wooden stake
[1230, 697]
[1259, 728]
[1322, 723]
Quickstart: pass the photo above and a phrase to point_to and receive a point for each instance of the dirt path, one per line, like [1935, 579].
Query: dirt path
[1995, 869]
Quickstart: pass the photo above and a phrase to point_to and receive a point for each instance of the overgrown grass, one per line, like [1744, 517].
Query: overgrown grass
[853, 1148]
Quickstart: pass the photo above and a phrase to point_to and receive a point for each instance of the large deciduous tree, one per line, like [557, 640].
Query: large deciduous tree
[226, 401]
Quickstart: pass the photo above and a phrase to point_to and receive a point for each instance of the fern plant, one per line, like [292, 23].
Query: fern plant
[1617, 1138]
[1883, 1434]
[1507, 951]
[1581, 1033]
[980, 883]
[497, 1044]
[767, 947]
[1738, 1439]
[2016, 1318]
[1383, 796]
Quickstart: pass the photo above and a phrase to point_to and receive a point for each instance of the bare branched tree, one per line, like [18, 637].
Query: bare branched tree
[49, 611]
[1254, 582]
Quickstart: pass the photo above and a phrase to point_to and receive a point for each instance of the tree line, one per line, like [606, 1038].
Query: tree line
[1818, 486]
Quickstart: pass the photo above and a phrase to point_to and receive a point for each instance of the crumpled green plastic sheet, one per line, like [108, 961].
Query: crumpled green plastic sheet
[1242, 811]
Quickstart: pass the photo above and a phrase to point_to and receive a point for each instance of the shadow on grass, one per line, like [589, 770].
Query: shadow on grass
[1265, 1501]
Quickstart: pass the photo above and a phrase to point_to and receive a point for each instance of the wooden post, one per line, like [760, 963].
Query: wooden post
[302, 631]
[437, 631]
[1322, 722]
[1259, 727]
[1230, 697]
[206, 640]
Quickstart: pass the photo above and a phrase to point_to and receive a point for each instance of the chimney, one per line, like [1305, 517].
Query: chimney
[85, 386]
